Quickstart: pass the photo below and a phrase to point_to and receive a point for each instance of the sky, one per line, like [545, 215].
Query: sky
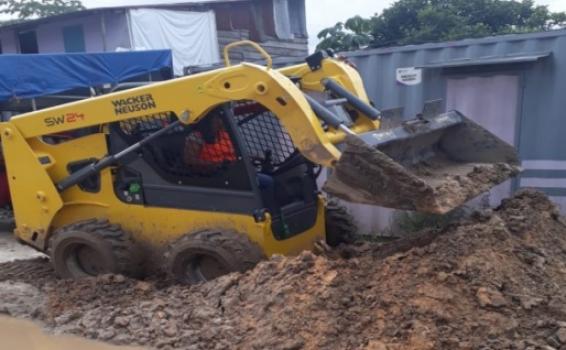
[320, 13]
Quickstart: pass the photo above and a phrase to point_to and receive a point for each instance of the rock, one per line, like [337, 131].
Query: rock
[490, 297]
[561, 335]
[143, 286]
[91, 320]
[122, 321]
[482, 215]
[122, 339]
[66, 318]
[528, 302]
[105, 279]
[557, 304]
[442, 276]
[170, 329]
[295, 344]
[519, 345]
[164, 344]
[376, 345]
[19, 299]
[106, 334]
[204, 313]
[119, 279]
[553, 341]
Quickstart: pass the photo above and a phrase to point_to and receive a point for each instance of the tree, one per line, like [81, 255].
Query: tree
[354, 33]
[21, 10]
[419, 21]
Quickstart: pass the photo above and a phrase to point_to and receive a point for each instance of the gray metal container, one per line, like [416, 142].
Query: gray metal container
[513, 85]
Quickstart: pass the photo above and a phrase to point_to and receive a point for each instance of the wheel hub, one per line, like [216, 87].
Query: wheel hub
[86, 259]
[90, 261]
[205, 268]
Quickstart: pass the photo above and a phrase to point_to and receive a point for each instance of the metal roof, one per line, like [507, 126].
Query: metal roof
[184, 4]
[485, 61]
[459, 43]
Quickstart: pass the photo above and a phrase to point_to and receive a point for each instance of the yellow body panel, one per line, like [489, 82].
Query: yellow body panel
[150, 225]
[34, 196]
[194, 96]
[35, 166]
[345, 75]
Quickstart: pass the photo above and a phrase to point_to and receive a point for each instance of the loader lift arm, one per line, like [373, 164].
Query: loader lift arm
[34, 188]
[432, 164]
[193, 97]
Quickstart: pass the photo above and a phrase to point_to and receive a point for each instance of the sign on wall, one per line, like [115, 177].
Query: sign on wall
[409, 76]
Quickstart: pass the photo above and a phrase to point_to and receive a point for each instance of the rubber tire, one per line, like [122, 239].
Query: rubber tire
[340, 226]
[235, 251]
[116, 249]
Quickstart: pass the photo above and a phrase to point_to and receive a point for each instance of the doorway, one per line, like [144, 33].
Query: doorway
[28, 42]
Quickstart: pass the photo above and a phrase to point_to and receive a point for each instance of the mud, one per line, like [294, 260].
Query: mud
[20, 334]
[368, 176]
[11, 250]
[496, 280]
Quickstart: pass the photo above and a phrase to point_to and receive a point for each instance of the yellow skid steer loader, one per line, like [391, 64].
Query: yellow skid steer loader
[209, 173]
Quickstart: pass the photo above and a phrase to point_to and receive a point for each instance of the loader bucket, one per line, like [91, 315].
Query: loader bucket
[429, 165]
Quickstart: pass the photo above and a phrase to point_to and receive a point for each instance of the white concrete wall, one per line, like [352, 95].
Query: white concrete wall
[8, 39]
[117, 32]
[50, 35]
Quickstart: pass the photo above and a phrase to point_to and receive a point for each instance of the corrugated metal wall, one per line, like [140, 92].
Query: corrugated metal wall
[541, 116]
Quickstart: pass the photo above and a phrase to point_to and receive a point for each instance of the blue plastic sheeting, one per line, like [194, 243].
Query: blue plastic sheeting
[29, 76]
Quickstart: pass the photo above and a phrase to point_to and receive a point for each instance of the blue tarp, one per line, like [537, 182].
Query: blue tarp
[29, 76]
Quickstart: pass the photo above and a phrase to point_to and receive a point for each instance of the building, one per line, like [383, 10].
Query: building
[196, 30]
[514, 85]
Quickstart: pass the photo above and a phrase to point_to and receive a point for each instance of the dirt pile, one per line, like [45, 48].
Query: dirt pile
[494, 281]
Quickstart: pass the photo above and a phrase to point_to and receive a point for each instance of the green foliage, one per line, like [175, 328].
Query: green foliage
[419, 21]
[21, 10]
[343, 36]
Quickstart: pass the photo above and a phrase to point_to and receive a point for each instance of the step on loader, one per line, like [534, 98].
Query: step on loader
[210, 173]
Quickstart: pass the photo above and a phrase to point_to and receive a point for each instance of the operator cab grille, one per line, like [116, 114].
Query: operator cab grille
[202, 154]
[265, 138]
[138, 128]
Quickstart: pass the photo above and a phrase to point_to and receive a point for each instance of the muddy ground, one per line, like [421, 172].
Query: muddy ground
[11, 250]
[25, 335]
[496, 280]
